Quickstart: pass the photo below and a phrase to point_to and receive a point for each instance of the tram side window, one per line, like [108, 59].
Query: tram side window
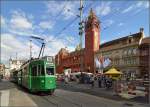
[50, 71]
[39, 70]
[25, 71]
[42, 70]
[34, 70]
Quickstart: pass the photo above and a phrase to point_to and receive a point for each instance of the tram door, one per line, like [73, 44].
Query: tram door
[38, 79]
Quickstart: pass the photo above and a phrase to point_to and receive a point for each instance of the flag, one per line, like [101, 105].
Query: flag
[97, 62]
[107, 62]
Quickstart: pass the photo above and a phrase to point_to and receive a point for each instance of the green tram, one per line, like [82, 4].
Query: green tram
[38, 75]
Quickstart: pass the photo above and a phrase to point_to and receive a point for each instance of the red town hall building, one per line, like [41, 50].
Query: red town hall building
[65, 60]
[128, 54]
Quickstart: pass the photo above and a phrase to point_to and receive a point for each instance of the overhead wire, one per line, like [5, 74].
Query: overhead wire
[59, 13]
[61, 10]
[122, 20]
[126, 19]
[116, 11]
[71, 22]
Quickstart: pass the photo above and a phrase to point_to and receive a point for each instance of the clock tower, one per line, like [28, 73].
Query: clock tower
[92, 40]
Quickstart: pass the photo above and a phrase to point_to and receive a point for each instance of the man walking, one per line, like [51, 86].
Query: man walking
[100, 81]
[92, 81]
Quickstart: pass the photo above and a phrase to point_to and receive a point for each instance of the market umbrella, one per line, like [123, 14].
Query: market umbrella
[113, 71]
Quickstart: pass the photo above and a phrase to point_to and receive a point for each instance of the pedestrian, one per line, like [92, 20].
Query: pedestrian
[92, 81]
[100, 81]
[105, 80]
[66, 79]
[108, 82]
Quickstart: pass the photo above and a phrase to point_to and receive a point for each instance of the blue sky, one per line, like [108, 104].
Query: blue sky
[46, 19]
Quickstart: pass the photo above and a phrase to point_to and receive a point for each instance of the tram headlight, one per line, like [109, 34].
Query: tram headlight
[50, 81]
[42, 81]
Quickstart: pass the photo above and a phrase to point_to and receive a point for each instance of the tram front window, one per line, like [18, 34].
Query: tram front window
[50, 71]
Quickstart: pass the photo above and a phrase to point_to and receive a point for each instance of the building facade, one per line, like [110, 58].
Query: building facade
[2, 69]
[65, 60]
[129, 54]
[144, 57]
[15, 64]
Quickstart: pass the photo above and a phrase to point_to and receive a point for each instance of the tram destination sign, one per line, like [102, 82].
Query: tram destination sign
[50, 59]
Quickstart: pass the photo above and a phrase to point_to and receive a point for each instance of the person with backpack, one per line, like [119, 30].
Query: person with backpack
[108, 82]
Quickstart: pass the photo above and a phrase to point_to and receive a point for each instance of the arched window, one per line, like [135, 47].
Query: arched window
[134, 51]
[125, 52]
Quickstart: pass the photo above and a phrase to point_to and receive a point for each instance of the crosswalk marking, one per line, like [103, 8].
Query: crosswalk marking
[4, 97]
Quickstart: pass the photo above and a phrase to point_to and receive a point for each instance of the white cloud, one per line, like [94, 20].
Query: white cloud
[53, 7]
[103, 41]
[23, 34]
[71, 48]
[20, 21]
[52, 49]
[144, 4]
[55, 44]
[147, 5]
[109, 22]
[10, 41]
[103, 9]
[11, 45]
[137, 6]
[21, 25]
[70, 10]
[67, 9]
[46, 24]
[121, 24]
[128, 9]
[70, 40]
[2, 21]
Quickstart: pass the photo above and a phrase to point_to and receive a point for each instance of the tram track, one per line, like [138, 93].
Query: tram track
[54, 100]
[47, 99]
[60, 101]
[44, 98]
[78, 105]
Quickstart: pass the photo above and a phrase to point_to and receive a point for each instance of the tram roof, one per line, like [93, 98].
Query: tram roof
[45, 58]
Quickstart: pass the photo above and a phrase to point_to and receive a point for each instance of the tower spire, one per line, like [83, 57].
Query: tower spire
[91, 13]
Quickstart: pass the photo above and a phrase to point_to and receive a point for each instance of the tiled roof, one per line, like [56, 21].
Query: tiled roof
[136, 35]
[146, 40]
